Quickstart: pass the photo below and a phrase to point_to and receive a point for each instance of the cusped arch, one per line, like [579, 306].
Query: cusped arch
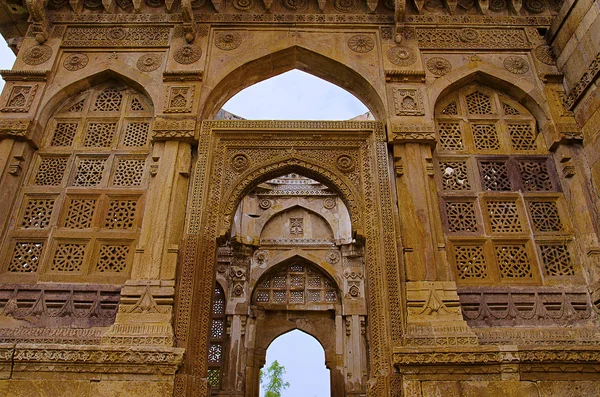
[286, 165]
[521, 89]
[295, 57]
[94, 75]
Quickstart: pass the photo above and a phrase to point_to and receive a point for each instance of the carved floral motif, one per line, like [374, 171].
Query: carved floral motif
[37, 55]
[516, 65]
[243, 5]
[545, 54]
[76, 62]
[227, 41]
[149, 62]
[295, 5]
[187, 54]
[361, 43]
[346, 5]
[439, 66]
[401, 56]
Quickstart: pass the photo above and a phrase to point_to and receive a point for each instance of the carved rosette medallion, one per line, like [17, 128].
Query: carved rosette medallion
[92, 4]
[439, 66]
[361, 43]
[37, 55]
[346, 5]
[516, 65]
[261, 257]
[243, 5]
[187, 54]
[468, 35]
[295, 5]
[332, 257]
[117, 33]
[265, 204]
[354, 291]
[497, 5]
[329, 203]
[401, 56]
[345, 163]
[240, 162]
[76, 62]
[227, 41]
[535, 6]
[545, 54]
[149, 62]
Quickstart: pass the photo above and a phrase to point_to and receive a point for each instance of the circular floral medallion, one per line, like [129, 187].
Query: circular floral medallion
[75, 62]
[516, 65]
[345, 5]
[468, 35]
[545, 54]
[265, 204]
[228, 40]
[354, 291]
[497, 5]
[401, 56]
[295, 5]
[261, 257]
[345, 163]
[439, 66]
[37, 55]
[535, 6]
[361, 43]
[240, 162]
[332, 257]
[116, 33]
[187, 54]
[329, 203]
[243, 5]
[149, 62]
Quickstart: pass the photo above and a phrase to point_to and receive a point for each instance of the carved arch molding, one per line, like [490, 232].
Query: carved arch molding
[350, 157]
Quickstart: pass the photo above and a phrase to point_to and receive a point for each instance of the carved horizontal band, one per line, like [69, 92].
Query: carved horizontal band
[580, 88]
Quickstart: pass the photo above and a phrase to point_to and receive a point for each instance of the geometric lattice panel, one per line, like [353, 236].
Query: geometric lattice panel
[513, 261]
[522, 136]
[121, 214]
[215, 353]
[544, 215]
[450, 110]
[504, 216]
[129, 172]
[557, 260]
[485, 136]
[64, 133]
[450, 136]
[37, 213]
[136, 105]
[109, 101]
[454, 175]
[26, 257]
[478, 103]
[100, 134]
[217, 329]
[470, 262]
[112, 258]
[80, 213]
[509, 110]
[461, 216]
[89, 172]
[494, 175]
[51, 171]
[136, 134]
[68, 257]
[535, 176]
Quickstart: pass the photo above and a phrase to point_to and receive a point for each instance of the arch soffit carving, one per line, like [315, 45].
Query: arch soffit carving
[231, 198]
[257, 273]
[270, 214]
[523, 90]
[286, 56]
[94, 75]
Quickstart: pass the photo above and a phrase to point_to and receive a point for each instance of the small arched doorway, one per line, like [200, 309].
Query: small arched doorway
[303, 358]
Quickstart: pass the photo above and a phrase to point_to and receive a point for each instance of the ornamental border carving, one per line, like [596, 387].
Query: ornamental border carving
[117, 36]
[592, 72]
[29, 96]
[470, 38]
[213, 208]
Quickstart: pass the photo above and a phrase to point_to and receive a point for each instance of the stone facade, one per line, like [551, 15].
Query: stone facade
[446, 243]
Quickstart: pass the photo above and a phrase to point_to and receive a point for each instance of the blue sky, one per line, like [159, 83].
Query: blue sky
[293, 95]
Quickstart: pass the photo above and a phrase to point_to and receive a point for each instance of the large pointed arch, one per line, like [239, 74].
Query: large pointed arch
[294, 57]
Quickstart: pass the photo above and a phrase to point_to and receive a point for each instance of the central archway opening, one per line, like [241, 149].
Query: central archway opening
[303, 358]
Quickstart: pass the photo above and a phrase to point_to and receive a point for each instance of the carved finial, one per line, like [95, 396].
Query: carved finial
[268, 4]
[216, 4]
[37, 13]
[419, 4]
[169, 4]
[483, 6]
[109, 5]
[321, 4]
[372, 5]
[451, 5]
[516, 5]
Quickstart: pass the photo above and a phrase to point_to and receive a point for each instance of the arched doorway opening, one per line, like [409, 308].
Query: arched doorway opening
[294, 95]
[303, 358]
